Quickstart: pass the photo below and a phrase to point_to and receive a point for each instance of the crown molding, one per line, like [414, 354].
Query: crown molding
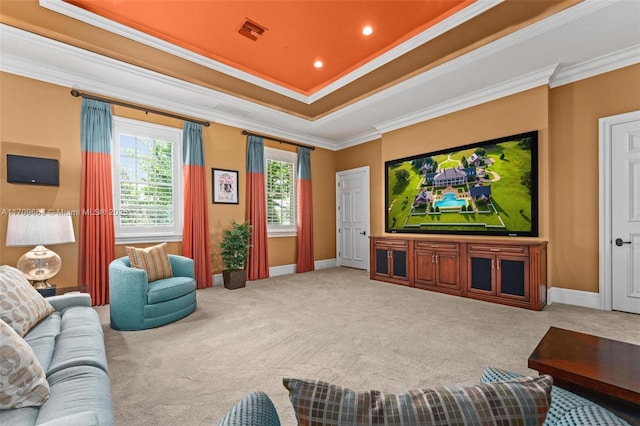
[358, 139]
[611, 62]
[507, 88]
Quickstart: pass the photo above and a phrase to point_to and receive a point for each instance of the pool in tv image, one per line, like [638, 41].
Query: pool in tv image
[488, 187]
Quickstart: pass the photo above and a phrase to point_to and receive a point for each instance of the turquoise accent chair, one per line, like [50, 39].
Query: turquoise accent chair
[137, 304]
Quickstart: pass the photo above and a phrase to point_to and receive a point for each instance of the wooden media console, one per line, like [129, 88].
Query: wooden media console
[512, 272]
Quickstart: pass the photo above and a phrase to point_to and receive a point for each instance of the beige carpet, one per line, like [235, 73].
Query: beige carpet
[333, 324]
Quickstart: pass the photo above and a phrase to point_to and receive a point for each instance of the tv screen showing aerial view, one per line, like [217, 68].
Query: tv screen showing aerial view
[489, 187]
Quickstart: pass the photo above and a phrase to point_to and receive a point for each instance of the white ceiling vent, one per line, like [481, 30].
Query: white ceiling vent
[251, 29]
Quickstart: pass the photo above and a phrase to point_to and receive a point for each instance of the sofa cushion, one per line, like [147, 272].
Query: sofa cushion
[80, 316]
[566, 407]
[42, 338]
[85, 418]
[169, 288]
[21, 306]
[43, 350]
[22, 379]
[76, 392]
[154, 260]
[522, 401]
[19, 416]
[78, 346]
[48, 327]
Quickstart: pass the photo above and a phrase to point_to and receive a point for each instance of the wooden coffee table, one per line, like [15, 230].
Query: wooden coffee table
[578, 360]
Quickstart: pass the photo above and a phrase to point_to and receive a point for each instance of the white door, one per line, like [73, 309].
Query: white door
[625, 216]
[352, 218]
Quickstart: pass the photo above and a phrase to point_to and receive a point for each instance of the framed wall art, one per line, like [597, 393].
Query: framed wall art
[225, 186]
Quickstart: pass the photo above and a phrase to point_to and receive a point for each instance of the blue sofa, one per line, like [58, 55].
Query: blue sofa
[69, 345]
[566, 409]
[137, 304]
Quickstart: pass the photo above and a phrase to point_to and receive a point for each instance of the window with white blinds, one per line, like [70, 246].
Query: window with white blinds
[281, 192]
[147, 171]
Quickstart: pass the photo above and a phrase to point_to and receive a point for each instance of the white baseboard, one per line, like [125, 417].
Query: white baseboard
[326, 263]
[217, 279]
[275, 271]
[586, 299]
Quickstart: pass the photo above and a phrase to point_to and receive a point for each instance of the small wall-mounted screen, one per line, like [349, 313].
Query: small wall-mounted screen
[32, 170]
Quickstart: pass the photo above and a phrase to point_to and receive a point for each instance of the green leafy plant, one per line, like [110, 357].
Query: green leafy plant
[235, 246]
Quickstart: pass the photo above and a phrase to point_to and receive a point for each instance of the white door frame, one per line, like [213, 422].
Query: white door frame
[605, 237]
[339, 203]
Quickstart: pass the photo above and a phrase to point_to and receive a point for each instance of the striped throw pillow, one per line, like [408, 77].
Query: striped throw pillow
[523, 401]
[154, 260]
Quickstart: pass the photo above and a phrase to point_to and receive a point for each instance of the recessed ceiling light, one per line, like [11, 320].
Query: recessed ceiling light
[367, 30]
[318, 64]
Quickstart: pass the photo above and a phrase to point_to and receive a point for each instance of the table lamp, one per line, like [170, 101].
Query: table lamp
[39, 264]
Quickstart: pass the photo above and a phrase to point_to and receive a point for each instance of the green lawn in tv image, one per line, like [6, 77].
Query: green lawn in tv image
[478, 189]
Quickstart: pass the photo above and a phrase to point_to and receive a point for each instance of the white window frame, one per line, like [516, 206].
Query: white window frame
[290, 157]
[147, 234]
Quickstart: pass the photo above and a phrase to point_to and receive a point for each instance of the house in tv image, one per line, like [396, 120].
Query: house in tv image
[450, 177]
[479, 192]
[423, 198]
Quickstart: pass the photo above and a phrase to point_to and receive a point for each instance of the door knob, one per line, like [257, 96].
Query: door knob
[619, 242]
[363, 233]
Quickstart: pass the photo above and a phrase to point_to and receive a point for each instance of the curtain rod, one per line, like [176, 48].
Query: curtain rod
[245, 132]
[76, 93]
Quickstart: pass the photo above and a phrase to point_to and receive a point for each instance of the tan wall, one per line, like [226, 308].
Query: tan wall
[575, 109]
[42, 119]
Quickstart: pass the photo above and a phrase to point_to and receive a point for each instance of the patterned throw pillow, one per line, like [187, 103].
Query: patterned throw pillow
[154, 260]
[518, 402]
[22, 380]
[21, 306]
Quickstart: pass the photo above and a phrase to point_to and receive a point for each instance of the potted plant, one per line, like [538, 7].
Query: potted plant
[235, 251]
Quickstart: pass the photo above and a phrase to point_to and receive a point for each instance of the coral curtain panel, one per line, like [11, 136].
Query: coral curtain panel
[305, 261]
[258, 263]
[195, 229]
[97, 245]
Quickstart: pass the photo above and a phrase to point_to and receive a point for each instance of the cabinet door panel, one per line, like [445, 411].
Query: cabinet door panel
[514, 278]
[448, 270]
[481, 274]
[382, 261]
[424, 268]
[399, 263]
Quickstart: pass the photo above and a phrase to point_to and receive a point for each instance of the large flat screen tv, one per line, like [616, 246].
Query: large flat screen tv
[484, 188]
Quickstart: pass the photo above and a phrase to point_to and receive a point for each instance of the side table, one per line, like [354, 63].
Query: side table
[58, 290]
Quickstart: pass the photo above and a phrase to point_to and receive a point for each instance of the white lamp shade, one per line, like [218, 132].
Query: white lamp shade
[39, 229]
